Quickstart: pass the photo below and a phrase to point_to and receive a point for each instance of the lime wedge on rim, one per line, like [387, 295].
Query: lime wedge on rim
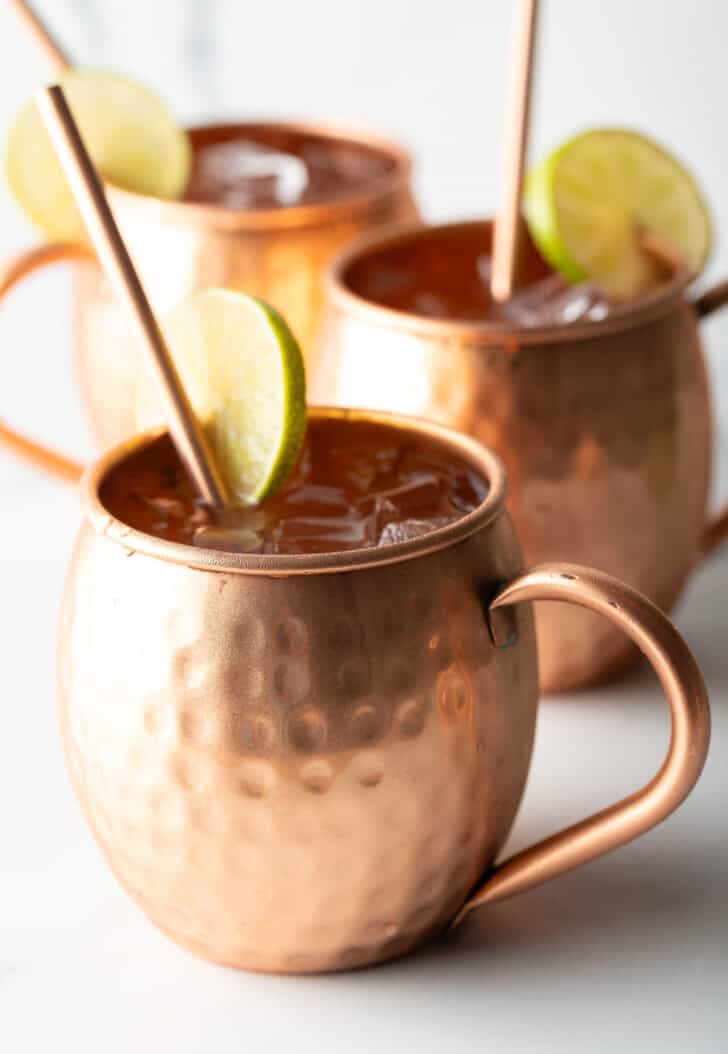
[243, 372]
[588, 203]
[129, 134]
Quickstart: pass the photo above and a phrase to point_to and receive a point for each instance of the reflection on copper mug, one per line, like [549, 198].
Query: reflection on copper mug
[305, 763]
[605, 427]
[177, 247]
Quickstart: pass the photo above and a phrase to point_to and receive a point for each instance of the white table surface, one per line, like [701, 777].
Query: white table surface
[628, 954]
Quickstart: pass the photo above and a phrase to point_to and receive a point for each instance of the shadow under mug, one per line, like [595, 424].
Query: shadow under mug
[180, 246]
[604, 427]
[311, 762]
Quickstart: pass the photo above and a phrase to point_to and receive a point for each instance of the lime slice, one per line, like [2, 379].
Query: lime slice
[128, 132]
[589, 203]
[243, 372]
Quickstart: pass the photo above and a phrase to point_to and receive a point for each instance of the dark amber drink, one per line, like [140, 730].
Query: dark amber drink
[446, 274]
[280, 166]
[358, 484]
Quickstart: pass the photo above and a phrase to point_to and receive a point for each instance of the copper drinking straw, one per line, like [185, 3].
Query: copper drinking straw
[515, 140]
[42, 35]
[184, 428]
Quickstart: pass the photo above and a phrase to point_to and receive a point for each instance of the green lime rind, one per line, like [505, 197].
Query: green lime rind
[293, 426]
[129, 133]
[542, 218]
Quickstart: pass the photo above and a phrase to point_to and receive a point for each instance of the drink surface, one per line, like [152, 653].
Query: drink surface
[445, 274]
[357, 484]
[241, 171]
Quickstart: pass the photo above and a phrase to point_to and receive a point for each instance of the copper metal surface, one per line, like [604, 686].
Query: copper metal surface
[678, 671]
[178, 247]
[185, 430]
[308, 763]
[11, 274]
[42, 36]
[507, 230]
[605, 428]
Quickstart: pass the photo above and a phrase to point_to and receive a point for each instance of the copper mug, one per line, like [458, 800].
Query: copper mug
[306, 763]
[179, 246]
[605, 427]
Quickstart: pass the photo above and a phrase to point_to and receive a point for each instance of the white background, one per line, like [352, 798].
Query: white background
[627, 955]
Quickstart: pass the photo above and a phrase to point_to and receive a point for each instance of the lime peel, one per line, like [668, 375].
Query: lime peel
[588, 203]
[243, 371]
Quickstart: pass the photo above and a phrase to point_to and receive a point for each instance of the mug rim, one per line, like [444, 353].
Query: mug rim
[222, 217]
[342, 297]
[479, 457]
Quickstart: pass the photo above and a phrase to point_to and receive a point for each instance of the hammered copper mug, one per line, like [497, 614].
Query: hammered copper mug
[605, 427]
[305, 763]
[179, 246]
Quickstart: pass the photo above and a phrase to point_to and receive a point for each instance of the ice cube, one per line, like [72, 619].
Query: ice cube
[242, 174]
[170, 511]
[229, 539]
[421, 488]
[552, 301]
[404, 530]
[384, 512]
[324, 533]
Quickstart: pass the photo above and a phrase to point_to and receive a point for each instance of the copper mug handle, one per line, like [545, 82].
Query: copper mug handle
[686, 694]
[716, 530]
[11, 274]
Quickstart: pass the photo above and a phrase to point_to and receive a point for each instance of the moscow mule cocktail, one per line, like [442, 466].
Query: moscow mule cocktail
[357, 484]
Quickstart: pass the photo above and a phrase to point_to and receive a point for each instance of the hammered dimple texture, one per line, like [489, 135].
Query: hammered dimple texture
[605, 436]
[296, 774]
[177, 251]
